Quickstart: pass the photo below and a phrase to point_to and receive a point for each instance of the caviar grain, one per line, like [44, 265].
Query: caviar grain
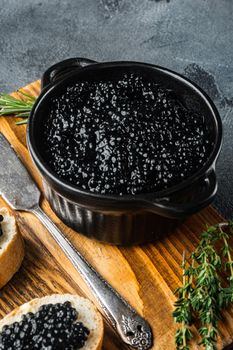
[124, 137]
[52, 327]
[1, 220]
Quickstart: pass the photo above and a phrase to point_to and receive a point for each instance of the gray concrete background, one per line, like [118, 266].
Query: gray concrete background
[193, 37]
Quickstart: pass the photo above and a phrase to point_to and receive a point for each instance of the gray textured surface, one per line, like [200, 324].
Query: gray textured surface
[194, 37]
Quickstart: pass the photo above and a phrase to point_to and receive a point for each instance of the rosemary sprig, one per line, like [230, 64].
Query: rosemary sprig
[202, 292]
[10, 105]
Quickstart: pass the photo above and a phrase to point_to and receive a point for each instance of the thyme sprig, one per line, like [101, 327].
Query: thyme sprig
[226, 296]
[9, 105]
[204, 298]
[183, 312]
[202, 293]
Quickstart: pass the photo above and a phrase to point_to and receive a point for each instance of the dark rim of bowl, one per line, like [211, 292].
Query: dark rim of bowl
[203, 171]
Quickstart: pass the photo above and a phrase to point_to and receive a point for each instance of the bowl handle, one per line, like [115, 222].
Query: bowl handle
[60, 69]
[170, 206]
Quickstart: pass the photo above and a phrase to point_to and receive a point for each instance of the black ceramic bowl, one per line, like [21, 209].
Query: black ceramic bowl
[127, 219]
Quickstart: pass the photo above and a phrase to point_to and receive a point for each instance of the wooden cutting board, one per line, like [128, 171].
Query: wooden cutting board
[145, 275]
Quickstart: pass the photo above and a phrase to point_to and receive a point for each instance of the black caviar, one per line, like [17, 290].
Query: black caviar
[52, 327]
[124, 137]
[1, 220]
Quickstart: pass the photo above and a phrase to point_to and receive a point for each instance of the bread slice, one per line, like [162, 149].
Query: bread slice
[87, 314]
[11, 248]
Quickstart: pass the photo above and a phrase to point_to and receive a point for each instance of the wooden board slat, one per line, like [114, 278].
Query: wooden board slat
[145, 275]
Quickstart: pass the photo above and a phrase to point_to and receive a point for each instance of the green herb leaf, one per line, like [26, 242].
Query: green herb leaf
[202, 292]
[11, 106]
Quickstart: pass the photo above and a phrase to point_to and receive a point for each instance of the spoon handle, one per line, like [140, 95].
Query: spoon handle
[132, 328]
